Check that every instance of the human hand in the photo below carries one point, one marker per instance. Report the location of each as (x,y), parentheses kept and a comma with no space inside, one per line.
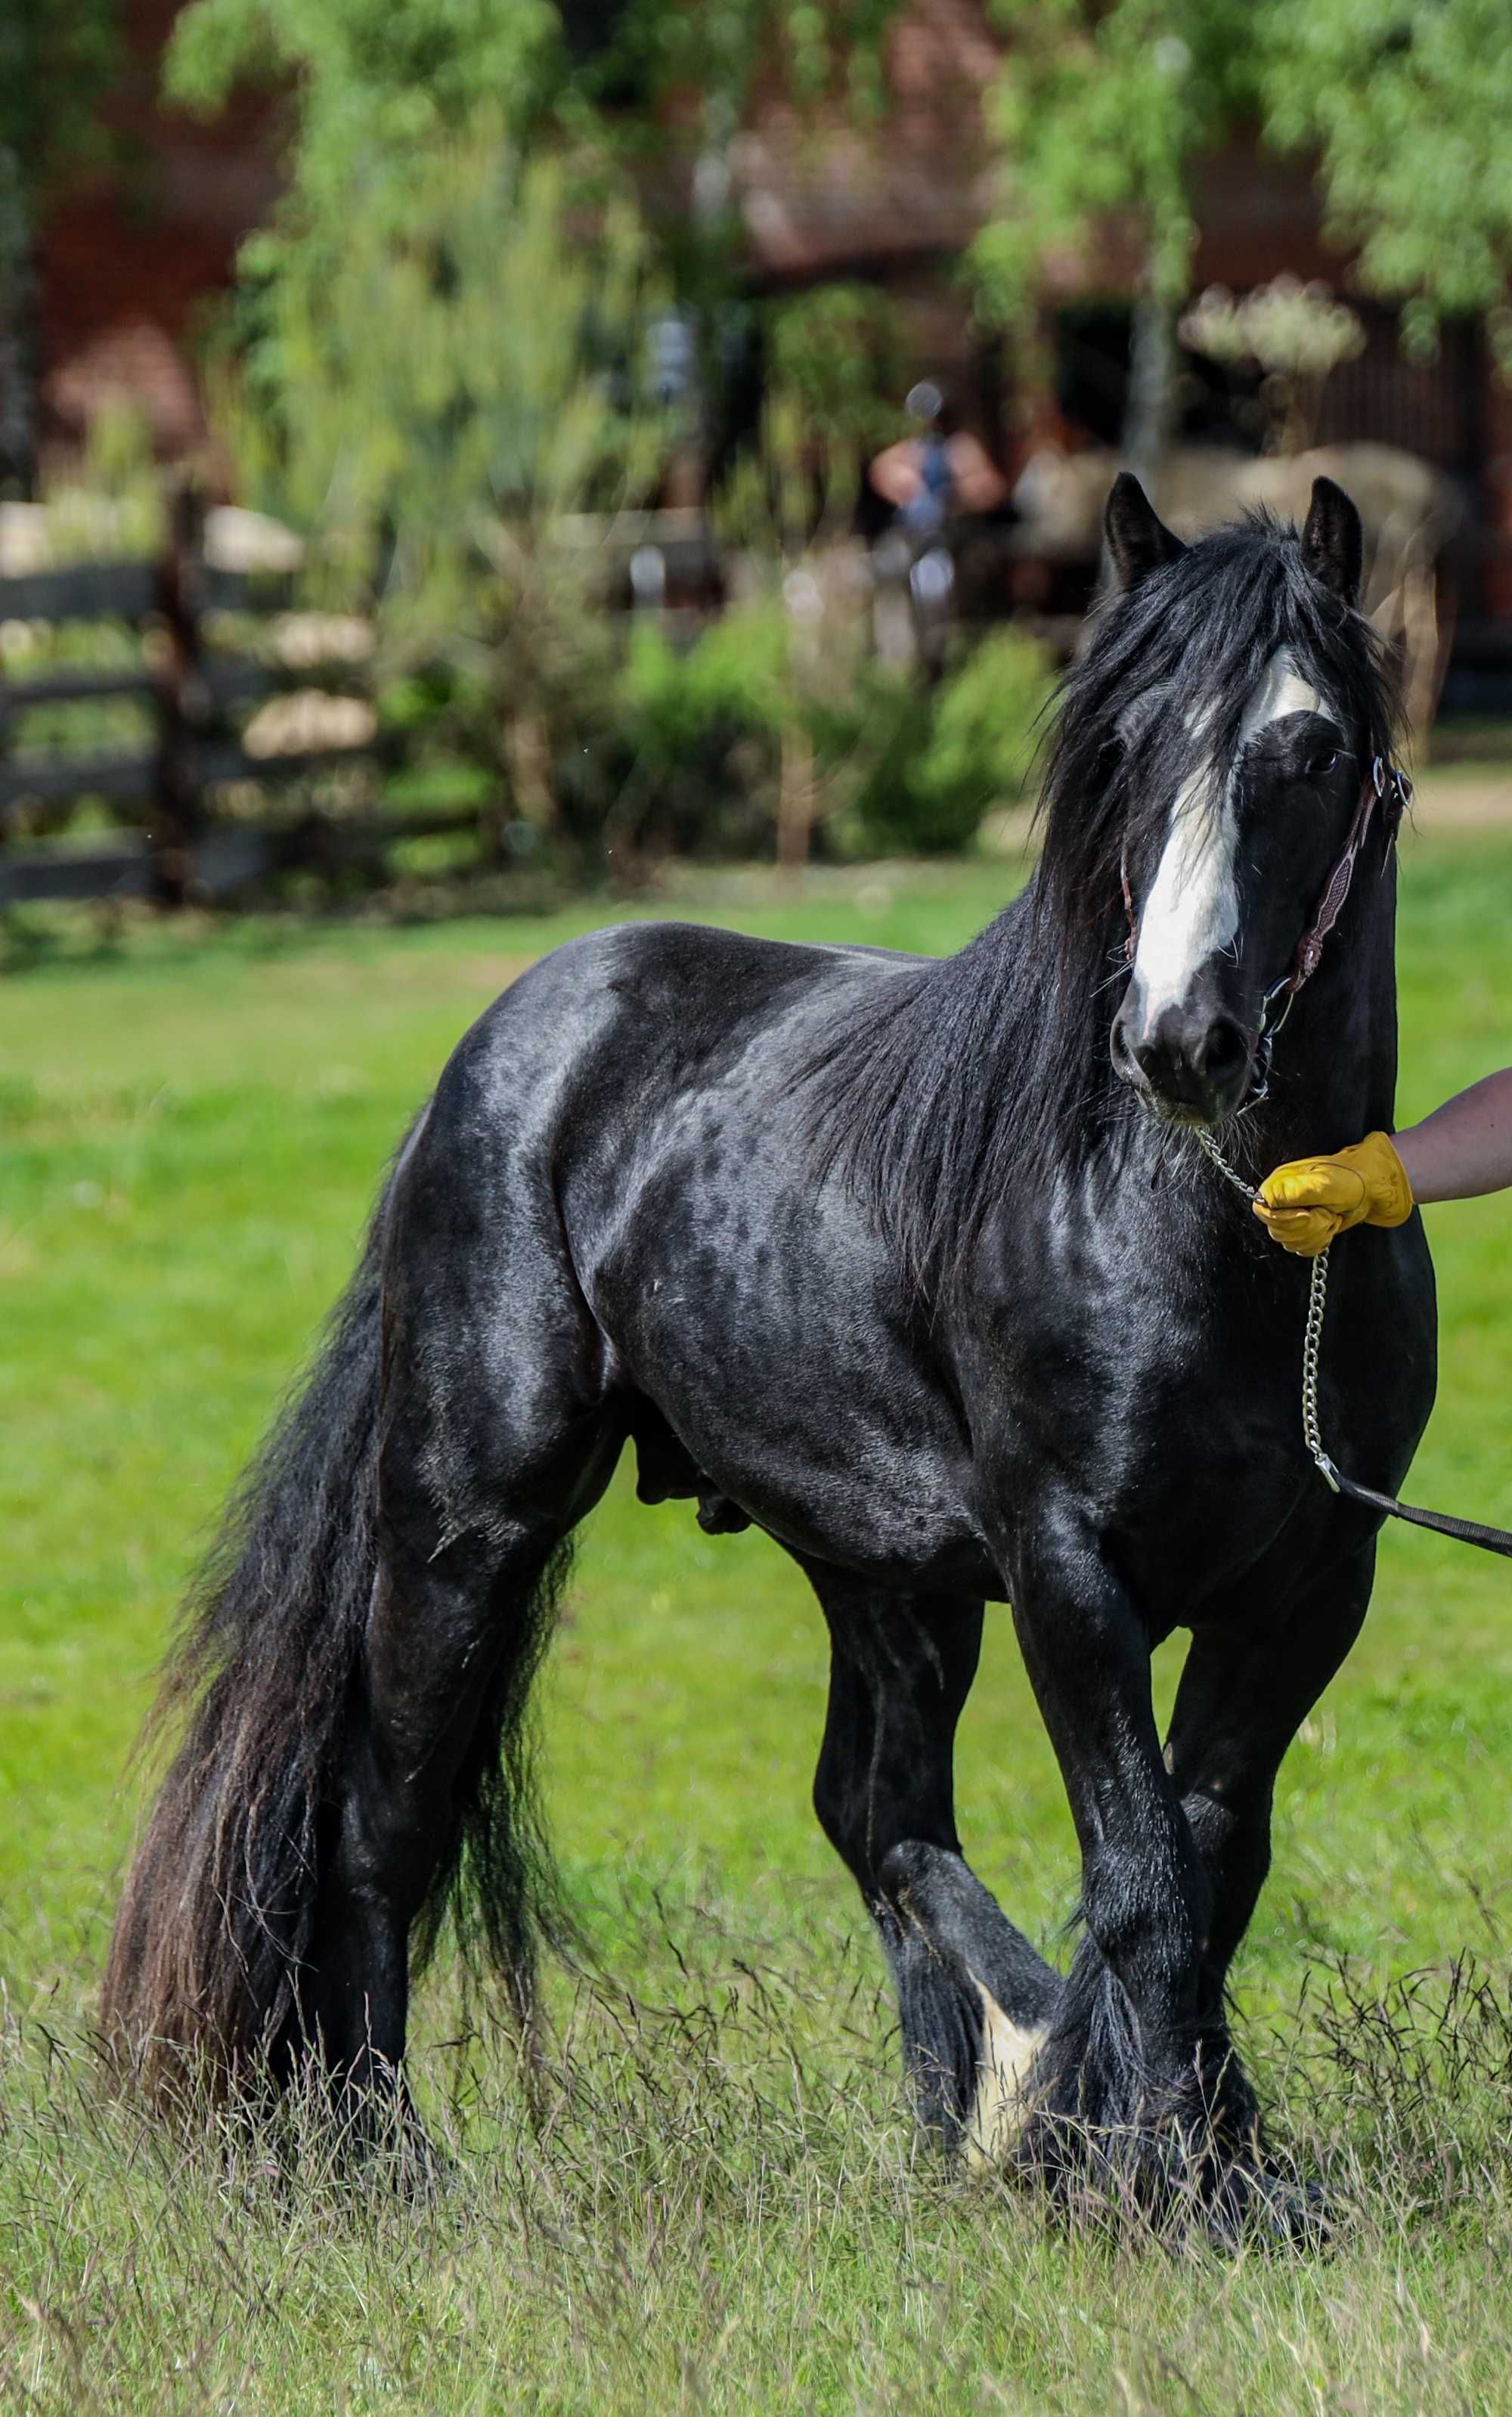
(1305,1203)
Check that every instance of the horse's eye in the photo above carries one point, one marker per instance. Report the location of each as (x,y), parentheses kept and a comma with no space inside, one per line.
(1320,764)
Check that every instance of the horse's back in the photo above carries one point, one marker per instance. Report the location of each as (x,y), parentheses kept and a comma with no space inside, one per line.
(700,980)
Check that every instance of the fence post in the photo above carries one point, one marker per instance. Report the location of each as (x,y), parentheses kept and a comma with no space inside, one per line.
(178,804)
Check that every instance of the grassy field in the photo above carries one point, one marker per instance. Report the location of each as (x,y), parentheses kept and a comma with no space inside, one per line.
(721,2206)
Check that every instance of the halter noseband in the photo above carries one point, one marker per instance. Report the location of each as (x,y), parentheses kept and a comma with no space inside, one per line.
(1394,791)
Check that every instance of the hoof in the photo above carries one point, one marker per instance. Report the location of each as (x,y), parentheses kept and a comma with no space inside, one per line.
(1255,2207)
(1184,2183)
(399,2159)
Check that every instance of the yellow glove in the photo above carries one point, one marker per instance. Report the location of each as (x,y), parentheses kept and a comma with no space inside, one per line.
(1310,1200)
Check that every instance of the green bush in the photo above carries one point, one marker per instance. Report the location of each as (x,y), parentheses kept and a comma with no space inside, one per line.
(733,679)
(938,761)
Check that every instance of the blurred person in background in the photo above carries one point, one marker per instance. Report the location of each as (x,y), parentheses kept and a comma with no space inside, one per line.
(928,480)
(1462,1150)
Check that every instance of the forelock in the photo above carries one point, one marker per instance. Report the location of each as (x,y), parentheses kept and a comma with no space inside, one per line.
(1171,671)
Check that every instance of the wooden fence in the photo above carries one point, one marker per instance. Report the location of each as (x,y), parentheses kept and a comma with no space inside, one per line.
(174,844)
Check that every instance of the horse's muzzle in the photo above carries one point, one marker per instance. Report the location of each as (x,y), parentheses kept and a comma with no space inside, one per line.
(1187,1062)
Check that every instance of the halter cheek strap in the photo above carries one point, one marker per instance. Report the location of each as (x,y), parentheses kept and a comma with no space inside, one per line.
(1394,790)
(1382,783)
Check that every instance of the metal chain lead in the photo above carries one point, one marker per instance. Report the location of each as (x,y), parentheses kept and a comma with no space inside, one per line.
(1312,1336)
(1206,1141)
(1311,1344)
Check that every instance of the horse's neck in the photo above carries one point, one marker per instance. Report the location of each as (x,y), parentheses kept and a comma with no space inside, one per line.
(1335,1060)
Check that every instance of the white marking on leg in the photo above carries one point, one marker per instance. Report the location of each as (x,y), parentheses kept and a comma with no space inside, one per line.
(1192,911)
(1000,2110)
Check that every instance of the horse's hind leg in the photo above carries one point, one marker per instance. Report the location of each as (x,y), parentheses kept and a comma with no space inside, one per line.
(451,1648)
(495,1442)
(974,1998)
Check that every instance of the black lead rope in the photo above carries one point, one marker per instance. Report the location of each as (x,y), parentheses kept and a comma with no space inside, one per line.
(1444,1523)
(1465,1531)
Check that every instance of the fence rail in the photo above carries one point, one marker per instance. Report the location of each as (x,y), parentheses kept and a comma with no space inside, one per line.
(183,849)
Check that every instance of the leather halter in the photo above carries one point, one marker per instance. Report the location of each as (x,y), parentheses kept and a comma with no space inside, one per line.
(1395,792)
(1384,785)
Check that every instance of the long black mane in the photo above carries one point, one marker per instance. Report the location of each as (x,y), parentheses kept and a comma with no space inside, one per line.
(993,1063)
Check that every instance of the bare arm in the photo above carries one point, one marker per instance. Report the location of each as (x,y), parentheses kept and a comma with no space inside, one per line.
(1464,1147)
(895,474)
(979,484)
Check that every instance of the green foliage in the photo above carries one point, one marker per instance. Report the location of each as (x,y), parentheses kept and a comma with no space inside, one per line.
(437,402)
(987,716)
(733,678)
(842,351)
(1406,107)
(812,51)
(836,360)
(376,77)
(56,57)
(473,364)
(376,83)
(1103,108)
(912,769)
(940,761)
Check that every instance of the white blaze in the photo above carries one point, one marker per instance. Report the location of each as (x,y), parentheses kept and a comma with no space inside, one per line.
(1192,911)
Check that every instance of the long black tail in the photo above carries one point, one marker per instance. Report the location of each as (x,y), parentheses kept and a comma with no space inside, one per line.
(218,1912)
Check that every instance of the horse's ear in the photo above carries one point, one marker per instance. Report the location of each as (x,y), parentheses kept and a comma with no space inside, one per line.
(1137,539)
(1333,541)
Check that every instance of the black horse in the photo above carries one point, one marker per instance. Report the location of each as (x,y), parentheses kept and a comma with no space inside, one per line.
(913,1264)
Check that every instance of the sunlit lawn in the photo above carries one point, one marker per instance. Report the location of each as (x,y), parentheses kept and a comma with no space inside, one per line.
(193,1124)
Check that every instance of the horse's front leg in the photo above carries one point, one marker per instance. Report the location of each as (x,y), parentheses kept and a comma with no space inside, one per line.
(1138,2078)
(974,1998)
(1247,1685)
(1246,1688)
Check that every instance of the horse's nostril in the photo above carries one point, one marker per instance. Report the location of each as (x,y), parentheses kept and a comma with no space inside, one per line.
(1223,1050)
(1130,1058)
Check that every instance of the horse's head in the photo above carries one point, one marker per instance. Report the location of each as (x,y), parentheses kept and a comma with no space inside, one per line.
(1242,706)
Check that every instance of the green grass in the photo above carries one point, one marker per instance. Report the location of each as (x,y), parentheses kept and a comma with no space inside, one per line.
(723,2207)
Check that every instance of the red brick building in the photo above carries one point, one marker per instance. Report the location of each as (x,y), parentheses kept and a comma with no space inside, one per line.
(128,260)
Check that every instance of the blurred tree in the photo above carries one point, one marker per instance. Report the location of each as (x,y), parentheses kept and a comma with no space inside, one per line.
(834,362)
(932,763)
(55,58)
(435,402)
(415,370)
(373,79)
(842,353)
(1102,108)
(1407,107)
